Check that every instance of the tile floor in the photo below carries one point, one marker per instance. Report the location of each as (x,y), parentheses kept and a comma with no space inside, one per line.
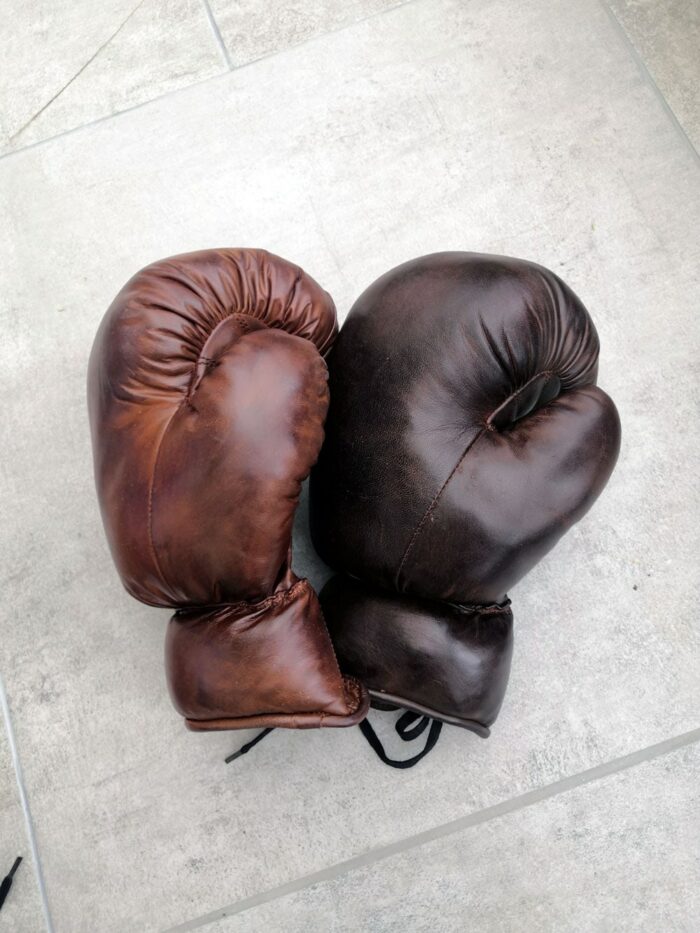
(350,137)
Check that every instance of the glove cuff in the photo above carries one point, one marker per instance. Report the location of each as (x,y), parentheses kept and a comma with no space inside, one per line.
(266,664)
(446,661)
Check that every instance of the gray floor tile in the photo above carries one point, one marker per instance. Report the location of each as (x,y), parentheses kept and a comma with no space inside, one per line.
(22,911)
(252,29)
(621,854)
(667,37)
(504,127)
(67,63)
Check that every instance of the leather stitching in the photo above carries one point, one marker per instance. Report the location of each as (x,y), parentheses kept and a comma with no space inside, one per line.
(259,606)
(514,395)
(487,426)
(431,508)
(151,484)
(209,363)
(343,679)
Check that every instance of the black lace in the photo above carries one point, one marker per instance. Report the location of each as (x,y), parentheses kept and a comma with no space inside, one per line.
(409,726)
(244,749)
(6,883)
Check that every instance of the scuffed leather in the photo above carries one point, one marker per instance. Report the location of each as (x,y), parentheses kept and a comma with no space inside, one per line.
(285,637)
(465,434)
(207,392)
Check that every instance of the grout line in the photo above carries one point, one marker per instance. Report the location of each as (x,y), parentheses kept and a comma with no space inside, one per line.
(181,90)
(617,25)
(445,829)
(108,116)
(328,32)
(77,74)
(25,805)
(648,77)
(217,35)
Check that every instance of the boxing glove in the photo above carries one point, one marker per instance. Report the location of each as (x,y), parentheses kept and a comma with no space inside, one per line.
(207,393)
(465,435)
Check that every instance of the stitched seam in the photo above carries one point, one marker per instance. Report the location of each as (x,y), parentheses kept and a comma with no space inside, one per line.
(486,609)
(208,362)
(151,484)
(258,606)
(513,395)
(302,717)
(487,426)
(335,658)
(351,688)
(433,505)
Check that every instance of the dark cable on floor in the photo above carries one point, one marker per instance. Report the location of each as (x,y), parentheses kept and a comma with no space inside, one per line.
(244,749)
(7,881)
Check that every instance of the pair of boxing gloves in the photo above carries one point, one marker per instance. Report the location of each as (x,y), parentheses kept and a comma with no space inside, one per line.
(465,435)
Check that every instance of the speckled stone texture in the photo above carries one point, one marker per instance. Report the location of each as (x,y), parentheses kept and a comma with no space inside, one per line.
(70,62)
(667,37)
(594,859)
(22,911)
(525,129)
(252,30)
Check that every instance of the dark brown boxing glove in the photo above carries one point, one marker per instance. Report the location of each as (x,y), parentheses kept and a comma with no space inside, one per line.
(207,392)
(465,435)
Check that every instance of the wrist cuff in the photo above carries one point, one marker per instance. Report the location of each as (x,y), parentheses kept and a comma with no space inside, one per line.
(251,665)
(442,660)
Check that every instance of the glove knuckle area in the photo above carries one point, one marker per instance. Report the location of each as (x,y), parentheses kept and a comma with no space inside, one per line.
(514,495)
(169,317)
(480,326)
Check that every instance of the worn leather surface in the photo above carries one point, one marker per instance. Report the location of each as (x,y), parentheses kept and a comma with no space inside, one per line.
(465,435)
(284,637)
(401,646)
(207,392)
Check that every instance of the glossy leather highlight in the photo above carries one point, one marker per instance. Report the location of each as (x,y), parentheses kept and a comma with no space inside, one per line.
(446,661)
